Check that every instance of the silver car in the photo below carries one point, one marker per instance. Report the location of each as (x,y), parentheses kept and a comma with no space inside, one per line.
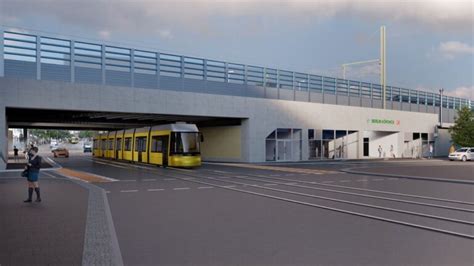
(462,154)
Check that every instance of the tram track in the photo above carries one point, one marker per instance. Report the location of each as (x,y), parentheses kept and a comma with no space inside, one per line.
(340,210)
(359,189)
(270,193)
(294,184)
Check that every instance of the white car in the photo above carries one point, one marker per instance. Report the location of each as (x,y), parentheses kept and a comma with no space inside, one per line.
(463,154)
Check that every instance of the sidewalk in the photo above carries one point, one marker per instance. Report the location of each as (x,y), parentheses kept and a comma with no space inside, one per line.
(46,233)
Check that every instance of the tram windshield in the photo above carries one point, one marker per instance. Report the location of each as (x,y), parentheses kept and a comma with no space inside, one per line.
(185,143)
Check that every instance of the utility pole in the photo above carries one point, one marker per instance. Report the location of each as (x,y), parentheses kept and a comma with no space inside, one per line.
(383,70)
(382,61)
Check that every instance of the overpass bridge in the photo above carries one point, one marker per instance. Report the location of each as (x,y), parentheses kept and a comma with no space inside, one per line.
(247,113)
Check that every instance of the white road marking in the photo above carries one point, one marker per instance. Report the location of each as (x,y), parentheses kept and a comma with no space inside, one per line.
(293,183)
(270,184)
(155,189)
(150,179)
(169,179)
(128,180)
(393,178)
(181,188)
(129,191)
(230,186)
(107,191)
(223,172)
(325,182)
(344,181)
(189,178)
(204,187)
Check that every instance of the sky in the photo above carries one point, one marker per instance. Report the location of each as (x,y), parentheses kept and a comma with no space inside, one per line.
(430,44)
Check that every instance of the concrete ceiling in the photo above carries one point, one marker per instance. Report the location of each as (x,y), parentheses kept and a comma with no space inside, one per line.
(90,120)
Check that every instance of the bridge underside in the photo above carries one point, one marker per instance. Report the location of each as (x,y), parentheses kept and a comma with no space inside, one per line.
(81,120)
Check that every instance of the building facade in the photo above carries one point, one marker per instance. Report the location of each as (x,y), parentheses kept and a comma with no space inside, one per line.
(284,115)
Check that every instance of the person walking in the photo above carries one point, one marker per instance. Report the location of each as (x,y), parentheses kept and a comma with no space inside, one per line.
(392,153)
(15,153)
(33,166)
(380,151)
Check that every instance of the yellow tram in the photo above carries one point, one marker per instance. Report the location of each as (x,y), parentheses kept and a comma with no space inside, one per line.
(176,145)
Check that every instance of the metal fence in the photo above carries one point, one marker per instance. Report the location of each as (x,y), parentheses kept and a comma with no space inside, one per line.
(34,56)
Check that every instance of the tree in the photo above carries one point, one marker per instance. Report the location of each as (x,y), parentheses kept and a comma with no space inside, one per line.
(50,134)
(462,132)
(86,134)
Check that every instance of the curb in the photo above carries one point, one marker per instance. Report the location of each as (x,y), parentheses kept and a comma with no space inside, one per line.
(458,181)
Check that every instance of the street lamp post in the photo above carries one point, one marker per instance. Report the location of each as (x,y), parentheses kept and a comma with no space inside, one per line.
(441,107)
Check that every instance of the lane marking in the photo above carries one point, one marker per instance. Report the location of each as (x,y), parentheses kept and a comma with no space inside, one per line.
(155,189)
(129,191)
(149,179)
(222,172)
(344,181)
(127,180)
(204,187)
(230,186)
(181,188)
(270,184)
(170,179)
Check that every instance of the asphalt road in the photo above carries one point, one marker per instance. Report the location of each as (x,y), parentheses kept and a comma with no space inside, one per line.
(289,214)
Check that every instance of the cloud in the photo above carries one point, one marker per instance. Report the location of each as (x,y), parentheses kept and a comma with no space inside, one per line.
(462,92)
(200,16)
(452,49)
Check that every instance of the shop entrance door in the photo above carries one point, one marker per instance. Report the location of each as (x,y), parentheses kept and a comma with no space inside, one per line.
(284,150)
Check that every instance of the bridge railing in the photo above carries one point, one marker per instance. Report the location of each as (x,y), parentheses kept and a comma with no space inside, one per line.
(45,57)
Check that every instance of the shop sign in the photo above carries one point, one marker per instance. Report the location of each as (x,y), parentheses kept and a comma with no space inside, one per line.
(378,121)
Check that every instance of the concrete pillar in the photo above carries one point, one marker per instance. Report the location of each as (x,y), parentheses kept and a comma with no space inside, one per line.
(3,138)
(245,141)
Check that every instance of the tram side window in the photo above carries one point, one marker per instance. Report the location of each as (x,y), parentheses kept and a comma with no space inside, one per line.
(103,145)
(156,144)
(95,144)
(140,144)
(128,146)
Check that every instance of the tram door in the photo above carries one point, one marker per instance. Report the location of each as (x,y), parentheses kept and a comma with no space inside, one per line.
(141,147)
(118,148)
(165,150)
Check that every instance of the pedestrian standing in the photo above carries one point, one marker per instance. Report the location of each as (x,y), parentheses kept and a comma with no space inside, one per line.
(431,151)
(380,151)
(15,153)
(33,166)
